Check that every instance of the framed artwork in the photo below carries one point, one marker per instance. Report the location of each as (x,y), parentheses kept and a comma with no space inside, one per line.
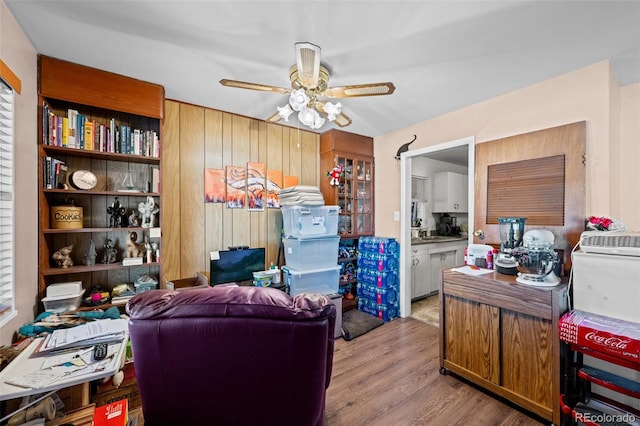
(256,190)
(214,186)
(274,185)
(236,187)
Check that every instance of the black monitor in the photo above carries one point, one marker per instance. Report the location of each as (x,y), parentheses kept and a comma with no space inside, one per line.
(236,265)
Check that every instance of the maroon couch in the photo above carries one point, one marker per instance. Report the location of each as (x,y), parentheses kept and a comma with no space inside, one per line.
(232,356)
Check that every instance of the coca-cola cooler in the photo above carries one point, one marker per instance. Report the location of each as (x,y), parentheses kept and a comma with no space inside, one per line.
(608,285)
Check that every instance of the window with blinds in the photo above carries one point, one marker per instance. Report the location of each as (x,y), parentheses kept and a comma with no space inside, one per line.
(7,285)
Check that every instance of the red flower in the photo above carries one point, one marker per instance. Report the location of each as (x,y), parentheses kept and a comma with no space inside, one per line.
(600,223)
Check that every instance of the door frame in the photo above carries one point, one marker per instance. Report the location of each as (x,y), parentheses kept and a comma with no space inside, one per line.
(405,209)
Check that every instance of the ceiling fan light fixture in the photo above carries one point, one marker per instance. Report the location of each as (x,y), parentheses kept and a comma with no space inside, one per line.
(310,118)
(284,112)
(298,99)
(332,110)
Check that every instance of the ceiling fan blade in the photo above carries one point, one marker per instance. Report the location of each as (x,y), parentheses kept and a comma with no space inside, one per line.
(342,120)
(308,62)
(254,86)
(353,91)
(274,118)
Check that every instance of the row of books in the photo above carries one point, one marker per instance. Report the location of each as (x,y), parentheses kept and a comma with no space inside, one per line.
(54,173)
(79,131)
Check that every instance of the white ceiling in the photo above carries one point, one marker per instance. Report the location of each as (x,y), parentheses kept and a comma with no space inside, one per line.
(441,55)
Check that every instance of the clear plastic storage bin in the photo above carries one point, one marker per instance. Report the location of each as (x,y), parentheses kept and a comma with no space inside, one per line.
(64,303)
(323,281)
(310,221)
(311,253)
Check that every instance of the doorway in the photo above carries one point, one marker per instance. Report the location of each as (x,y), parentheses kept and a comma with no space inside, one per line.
(448,152)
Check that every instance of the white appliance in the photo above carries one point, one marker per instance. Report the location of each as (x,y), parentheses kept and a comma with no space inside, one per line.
(622,243)
(608,284)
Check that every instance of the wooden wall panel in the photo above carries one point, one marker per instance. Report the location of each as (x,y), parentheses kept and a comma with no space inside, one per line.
(568,140)
(195,138)
(310,173)
(275,145)
(241,148)
(191,190)
(258,154)
(213,156)
(170,187)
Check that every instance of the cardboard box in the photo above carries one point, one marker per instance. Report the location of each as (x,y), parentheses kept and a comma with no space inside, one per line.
(199,281)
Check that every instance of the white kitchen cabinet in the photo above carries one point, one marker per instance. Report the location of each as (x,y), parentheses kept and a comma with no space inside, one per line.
(420,279)
(443,256)
(450,192)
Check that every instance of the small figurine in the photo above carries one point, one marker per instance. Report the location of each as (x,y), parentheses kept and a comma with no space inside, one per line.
(63,257)
(133,250)
(116,212)
(335,174)
(90,255)
(134,218)
(109,255)
(148,249)
(149,211)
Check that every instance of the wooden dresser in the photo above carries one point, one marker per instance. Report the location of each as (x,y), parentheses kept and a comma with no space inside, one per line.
(503,336)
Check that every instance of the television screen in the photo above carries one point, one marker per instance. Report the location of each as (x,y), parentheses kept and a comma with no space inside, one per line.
(236,265)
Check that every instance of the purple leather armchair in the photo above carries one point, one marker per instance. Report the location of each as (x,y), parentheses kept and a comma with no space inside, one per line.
(232,356)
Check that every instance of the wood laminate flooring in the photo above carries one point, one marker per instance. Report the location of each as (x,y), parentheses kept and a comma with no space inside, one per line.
(390,377)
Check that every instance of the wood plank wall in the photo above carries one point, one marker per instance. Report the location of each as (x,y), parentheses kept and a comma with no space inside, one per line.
(195,138)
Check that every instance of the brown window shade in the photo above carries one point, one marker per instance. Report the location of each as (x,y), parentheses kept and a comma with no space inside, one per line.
(531,188)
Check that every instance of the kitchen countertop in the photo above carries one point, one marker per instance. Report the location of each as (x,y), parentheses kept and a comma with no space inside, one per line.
(435,239)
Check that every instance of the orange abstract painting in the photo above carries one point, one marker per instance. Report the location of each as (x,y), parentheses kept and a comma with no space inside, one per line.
(236,187)
(214,186)
(274,185)
(256,181)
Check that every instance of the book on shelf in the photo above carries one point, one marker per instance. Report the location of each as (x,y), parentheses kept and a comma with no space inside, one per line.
(46,173)
(128,261)
(54,173)
(72,116)
(65,132)
(155,179)
(76,130)
(88,135)
(59,174)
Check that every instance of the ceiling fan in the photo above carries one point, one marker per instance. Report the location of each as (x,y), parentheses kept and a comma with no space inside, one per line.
(309,94)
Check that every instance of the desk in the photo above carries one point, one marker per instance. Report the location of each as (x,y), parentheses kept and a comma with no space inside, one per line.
(27,362)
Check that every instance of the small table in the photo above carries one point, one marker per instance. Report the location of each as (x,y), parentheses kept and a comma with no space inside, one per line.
(28,361)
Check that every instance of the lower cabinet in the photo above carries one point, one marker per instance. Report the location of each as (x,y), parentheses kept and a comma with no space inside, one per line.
(420,272)
(503,336)
(444,256)
(427,263)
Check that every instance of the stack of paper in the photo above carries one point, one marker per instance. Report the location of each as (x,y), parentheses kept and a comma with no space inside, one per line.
(301,195)
(89,334)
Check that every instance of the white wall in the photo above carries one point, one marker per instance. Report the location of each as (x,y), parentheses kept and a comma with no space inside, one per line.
(588,94)
(19,55)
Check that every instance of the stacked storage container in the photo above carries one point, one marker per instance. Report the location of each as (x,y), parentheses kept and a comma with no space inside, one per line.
(311,248)
(378,283)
